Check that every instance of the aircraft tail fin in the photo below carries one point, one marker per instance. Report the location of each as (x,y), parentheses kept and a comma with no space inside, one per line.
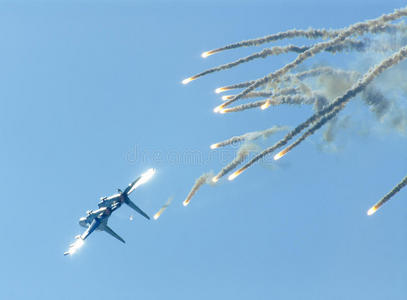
(136,208)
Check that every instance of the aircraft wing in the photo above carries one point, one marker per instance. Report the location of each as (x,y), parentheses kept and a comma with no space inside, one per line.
(135,207)
(110,231)
(131,187)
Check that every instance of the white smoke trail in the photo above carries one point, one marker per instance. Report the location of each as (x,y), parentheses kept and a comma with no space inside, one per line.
(241,155)
(250,136)
(246,106)
(301,75)
(204,178)
(276,100)
(278,92)
(235,86)
(293,33)
(325,70)
(163,208)
(388,196)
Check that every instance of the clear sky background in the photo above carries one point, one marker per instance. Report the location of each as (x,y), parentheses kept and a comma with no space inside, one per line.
(91,97)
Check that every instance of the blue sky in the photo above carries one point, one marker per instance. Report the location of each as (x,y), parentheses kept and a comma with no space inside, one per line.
(87,87)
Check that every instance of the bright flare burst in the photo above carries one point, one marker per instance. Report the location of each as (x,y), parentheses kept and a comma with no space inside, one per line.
(144,178)
(265,105)
(188,80)
(214,146)
(218,108)
(372,210)
(147,176)
(280,154)
(75,246)
(235,174)
(207,53)
(221,89)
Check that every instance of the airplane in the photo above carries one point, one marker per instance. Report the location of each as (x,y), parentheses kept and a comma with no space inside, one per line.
(97,220)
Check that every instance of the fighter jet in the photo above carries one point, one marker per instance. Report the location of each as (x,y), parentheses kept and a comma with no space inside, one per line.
(97,220)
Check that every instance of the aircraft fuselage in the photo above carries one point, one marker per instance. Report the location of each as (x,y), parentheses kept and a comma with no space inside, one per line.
(99,214)
(108,201)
